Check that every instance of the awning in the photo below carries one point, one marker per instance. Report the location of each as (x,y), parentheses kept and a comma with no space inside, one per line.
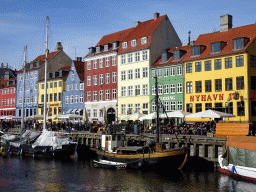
(74,111)
(78,111)
(69,111)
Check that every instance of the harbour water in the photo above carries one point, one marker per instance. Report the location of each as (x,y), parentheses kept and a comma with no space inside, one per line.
(31,174)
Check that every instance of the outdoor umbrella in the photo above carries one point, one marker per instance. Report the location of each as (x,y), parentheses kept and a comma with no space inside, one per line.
(210,114)
(149,116)
(15,117)
(134,116)
(175,114)
(35,117)
(105,117)
(85,116)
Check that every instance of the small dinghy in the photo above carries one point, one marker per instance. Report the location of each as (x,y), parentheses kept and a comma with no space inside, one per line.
(109,164)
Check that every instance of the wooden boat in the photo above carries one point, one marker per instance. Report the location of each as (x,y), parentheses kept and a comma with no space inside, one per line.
(239,158)
(109,164)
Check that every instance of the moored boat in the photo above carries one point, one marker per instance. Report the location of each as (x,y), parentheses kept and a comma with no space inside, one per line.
(109,164)
(239,159)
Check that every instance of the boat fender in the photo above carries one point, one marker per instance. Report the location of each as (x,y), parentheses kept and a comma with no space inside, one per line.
(233,169)
(140,163)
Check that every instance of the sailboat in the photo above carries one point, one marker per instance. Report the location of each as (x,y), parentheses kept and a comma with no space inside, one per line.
(152,154)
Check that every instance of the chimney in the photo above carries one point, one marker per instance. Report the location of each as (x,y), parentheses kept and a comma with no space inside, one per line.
(156,15)
(7,75)
(225,22)
(2,65)
(137,23)
(5,65)
(79,59)
(189,37)
(58,47)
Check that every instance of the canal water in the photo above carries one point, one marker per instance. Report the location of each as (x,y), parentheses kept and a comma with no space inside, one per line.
(31,174)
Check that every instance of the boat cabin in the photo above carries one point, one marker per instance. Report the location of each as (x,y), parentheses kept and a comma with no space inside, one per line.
(132,150)
(111,142)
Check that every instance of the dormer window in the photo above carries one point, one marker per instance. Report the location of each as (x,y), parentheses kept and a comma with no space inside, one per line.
(195,50)
(124,45)
(98,49)
(106,47)
(238,43)
(164,57)
(114,45)
(144,40)
(176,54)
(134,43)
(31,65)
(215,47)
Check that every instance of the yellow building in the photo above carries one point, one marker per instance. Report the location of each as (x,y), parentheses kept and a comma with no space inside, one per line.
(220,72)
(140,49)
(55,87)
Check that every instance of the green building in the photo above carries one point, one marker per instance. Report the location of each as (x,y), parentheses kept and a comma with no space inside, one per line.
(170,77)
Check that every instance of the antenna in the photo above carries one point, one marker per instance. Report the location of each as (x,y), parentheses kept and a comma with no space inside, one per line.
(75,50)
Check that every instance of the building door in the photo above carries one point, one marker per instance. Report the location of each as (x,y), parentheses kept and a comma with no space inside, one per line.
(111,115)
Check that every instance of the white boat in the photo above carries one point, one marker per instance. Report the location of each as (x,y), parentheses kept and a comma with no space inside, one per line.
(240,158)
(109,164)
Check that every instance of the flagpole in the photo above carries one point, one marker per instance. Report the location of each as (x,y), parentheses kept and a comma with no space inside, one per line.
(23,97)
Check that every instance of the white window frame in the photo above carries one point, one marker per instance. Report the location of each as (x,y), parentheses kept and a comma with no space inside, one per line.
(137,90)
(166,89)
(123,75)
(137,107)
(107,94)
(107,61)
(123,109)
(137,56)
(144,40)
(145,89)
(113,93)
(81,86)
(166,106)
(72,77)
(124,45)
(114,61)
(144,55)
(114,45)
(130,58)
(101,63)
(144,72)
(160,89)
(101,95)
(153,90)
(134,43)
(71,99)
(137,73)
(179,87)
(88,80)
(173,105)
(89,96)
(123,59)
(166,72)
(76,99)
(113,77)
(130,90)
(172,88)
(81,99)
(89,64)
(95,64)
(130,74)
(179,70)
(179,105)
(159,73)
(107,78)
(95,95)
(101,79)
(95,80)
(123,91)
(172,71)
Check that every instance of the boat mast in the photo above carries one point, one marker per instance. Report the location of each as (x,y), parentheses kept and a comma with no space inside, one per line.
(23,97)
(45,73)
(158,131)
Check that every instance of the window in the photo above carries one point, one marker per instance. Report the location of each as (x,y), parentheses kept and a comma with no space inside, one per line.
(101,95)
(137,90)
(195,51)
(176,55)
(89,96)
(101,79)
(89,65)
(208,106)
(107,78)
(81,86)
(42,98)
(179,87)
(113,60)
(239,83)
(166,89)
(189,68)
(179,70)
(253,108)
(144,40)
(60,83)
(189,87)
(189,107)
(94,95)
(134,43)
(144,72)
(71,87)
(107,62)
(130,90)
(217,63)
(160,89)
(123,109)
(55,84)
(207,66)
(179,105)
(208,85)
(198,107)
(253,61)
(94,112)
(113,77)
(35,74)
(27,89)
(137,107)
(137,73)
(55,96)
(198,67)
(173,106)
(164,57)
(166,106)
(123,91)
(8,91)
(253,82)
(130,109)
(106,47)
(98,49)
(198,86)
(153,106)
(228,84)
(11,101)
(89,112)
(76,99)
(172,89)
(144,89)
(114,45)
(130,74)
(238,43)
(218,84)
(88,80)
(228,62)
(153,90)
(60,97)
(124,45)
(137,56)
(240,109)
(94,79)
(113,93)
(123,75)
(166,72)
(215,47)
(95,64)
(71,99)
(107,94)
(50,97)
(160,73)
(145,55)
(153,73)
(240,61)
(123,59)
(8,102)
(145,108)
(100,63)
(172,71)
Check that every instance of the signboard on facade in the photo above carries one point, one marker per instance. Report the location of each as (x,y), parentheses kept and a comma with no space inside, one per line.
(168,98)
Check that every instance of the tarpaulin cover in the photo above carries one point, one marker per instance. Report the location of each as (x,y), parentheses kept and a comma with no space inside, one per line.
(27,135)
(49,138)
(9,137)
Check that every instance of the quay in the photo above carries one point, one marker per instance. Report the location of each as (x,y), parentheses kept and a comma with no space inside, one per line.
(203,146)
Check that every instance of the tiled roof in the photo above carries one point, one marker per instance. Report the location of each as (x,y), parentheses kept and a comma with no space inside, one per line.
(66,68)
(42,57)
(171,60)
(21,70)
(248,31)
(79,69)
(3,82)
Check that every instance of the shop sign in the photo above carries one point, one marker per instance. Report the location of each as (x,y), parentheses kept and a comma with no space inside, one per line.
(253,95)
(168,98)
(54,105)
(208,97)
(40,105)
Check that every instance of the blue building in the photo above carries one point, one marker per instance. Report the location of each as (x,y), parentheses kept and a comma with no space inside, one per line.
(73,95)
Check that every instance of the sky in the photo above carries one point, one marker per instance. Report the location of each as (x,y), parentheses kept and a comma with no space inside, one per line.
(80,24)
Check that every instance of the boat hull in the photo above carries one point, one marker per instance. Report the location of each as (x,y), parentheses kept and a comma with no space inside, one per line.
(164,159)
(109,164)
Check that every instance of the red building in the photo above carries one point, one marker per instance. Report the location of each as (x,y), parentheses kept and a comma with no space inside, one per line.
(101,78)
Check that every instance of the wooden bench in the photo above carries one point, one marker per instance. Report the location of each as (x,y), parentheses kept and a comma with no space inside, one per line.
(231,129)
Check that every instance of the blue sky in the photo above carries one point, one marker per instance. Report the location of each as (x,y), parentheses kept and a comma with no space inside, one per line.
(80,24)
